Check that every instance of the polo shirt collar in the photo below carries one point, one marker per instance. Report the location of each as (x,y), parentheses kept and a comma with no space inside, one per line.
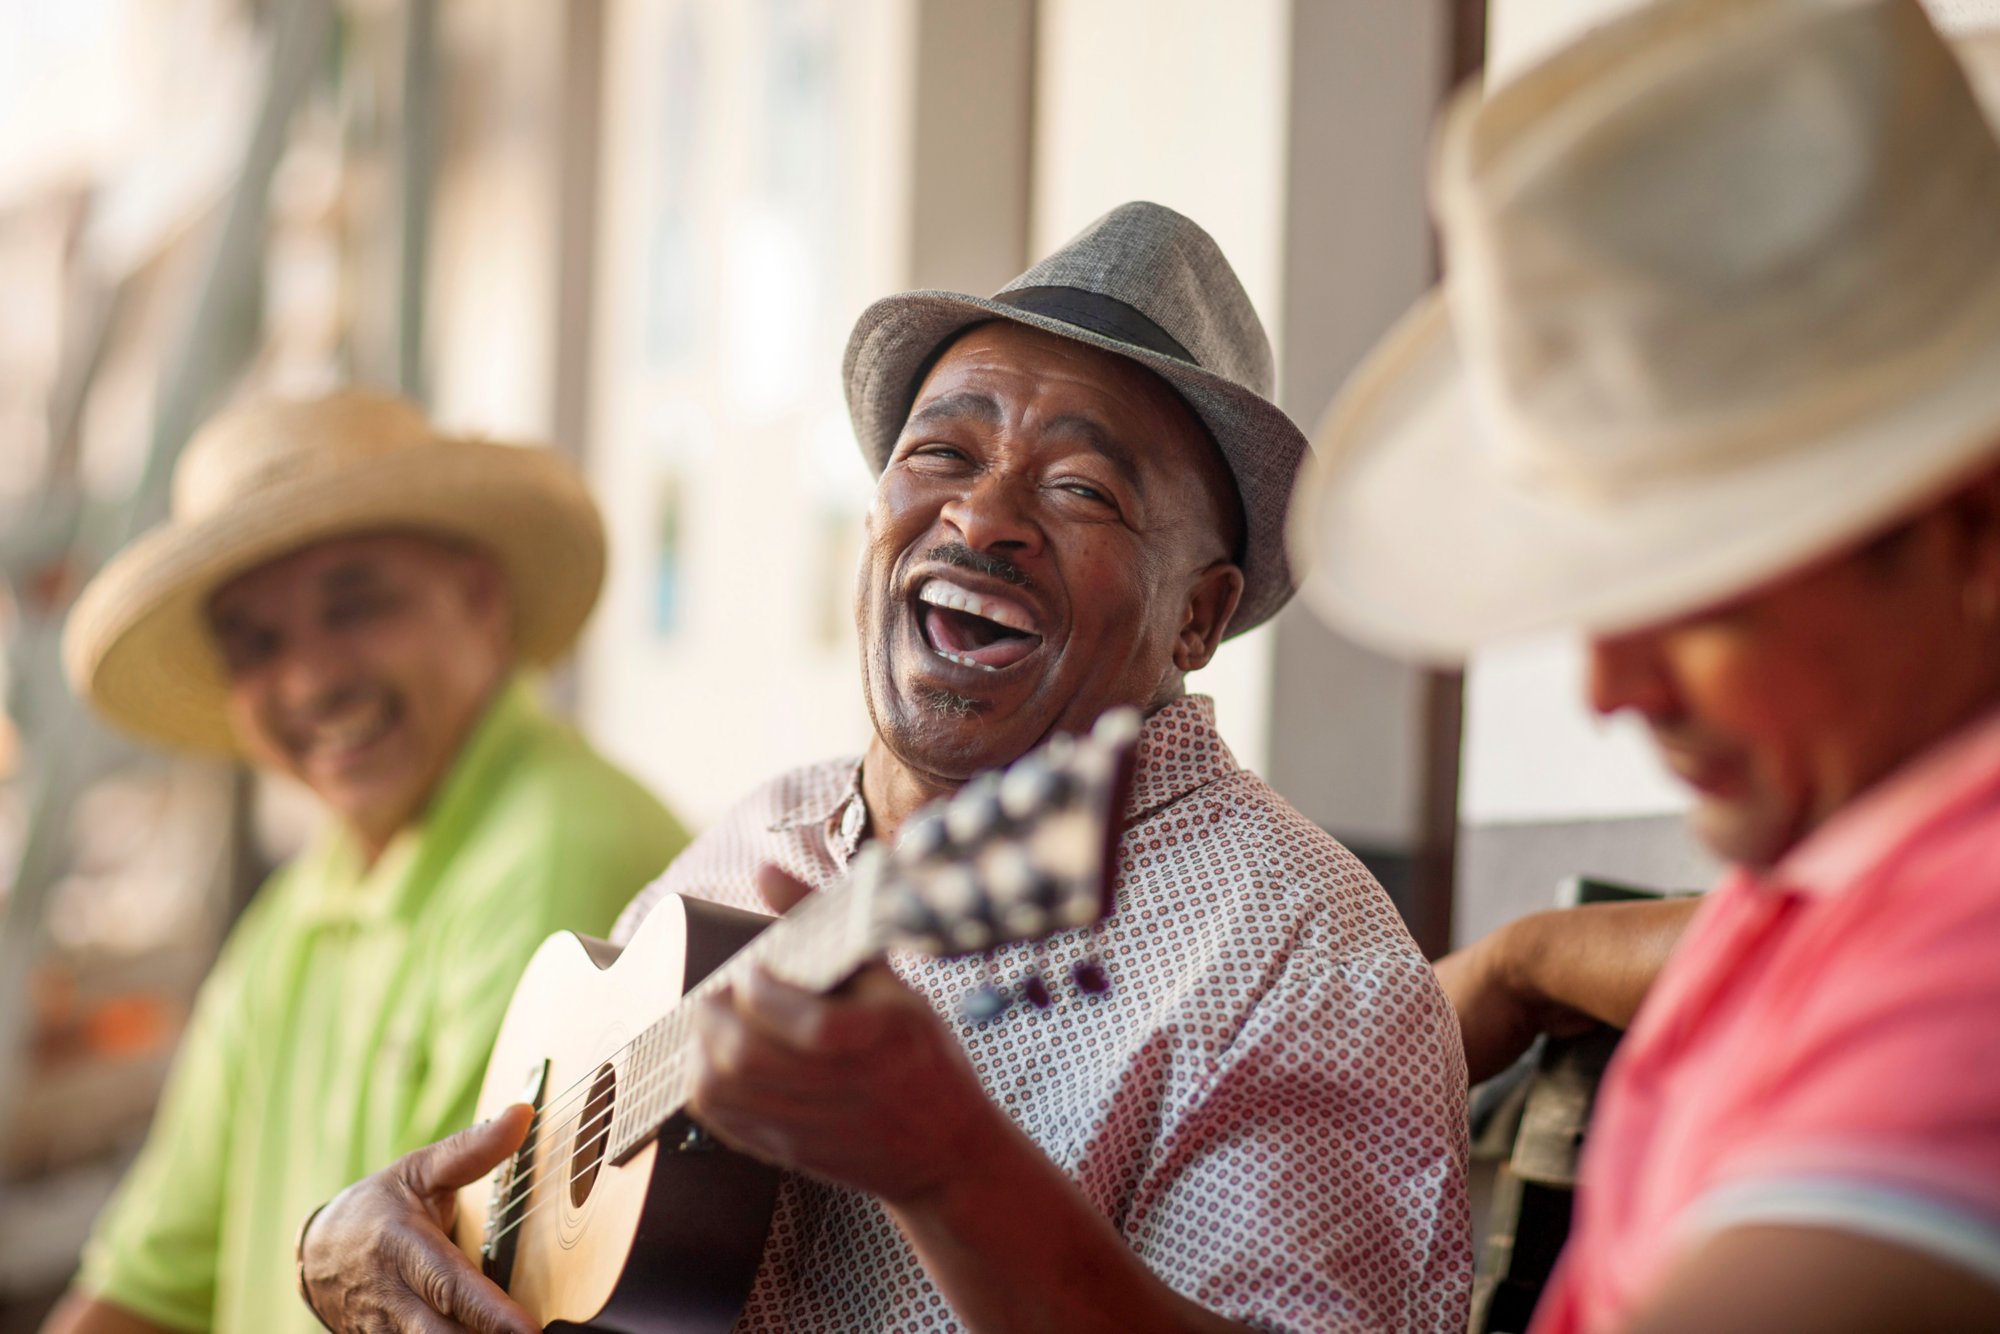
(338,887)
(1953,775)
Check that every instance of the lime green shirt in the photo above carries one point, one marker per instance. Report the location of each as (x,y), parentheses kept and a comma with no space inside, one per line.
(349,1018)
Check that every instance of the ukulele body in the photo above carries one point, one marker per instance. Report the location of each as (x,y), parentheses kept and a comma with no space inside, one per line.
(666,1242)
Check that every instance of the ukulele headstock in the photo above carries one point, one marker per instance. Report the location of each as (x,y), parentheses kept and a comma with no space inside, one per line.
(1017,854)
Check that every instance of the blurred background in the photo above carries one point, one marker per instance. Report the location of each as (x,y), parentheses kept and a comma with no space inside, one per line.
(640,230)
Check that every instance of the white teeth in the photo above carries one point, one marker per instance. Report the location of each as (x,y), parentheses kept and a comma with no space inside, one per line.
(963,661)
(944,593)
(348,734)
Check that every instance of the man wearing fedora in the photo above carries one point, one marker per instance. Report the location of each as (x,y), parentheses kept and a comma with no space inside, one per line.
(346,597)
(1240,1103)
(1715,379)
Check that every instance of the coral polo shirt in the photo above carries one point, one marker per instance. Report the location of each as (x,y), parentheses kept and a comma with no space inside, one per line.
(1823,1051)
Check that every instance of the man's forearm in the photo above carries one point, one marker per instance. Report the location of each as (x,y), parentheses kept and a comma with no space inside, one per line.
(1599,960)
(1014,1246)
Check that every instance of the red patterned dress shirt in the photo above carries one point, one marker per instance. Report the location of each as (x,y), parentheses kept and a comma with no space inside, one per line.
(1268,1103)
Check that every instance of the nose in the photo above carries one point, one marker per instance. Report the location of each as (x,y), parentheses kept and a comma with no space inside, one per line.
(1630,672)
(995,513)
(312,671)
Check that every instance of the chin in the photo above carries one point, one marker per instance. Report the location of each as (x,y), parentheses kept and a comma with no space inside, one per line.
(1743,837)
(951,731)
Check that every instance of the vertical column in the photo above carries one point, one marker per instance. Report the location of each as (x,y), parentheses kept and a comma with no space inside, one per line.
(971,143)
(1365,746)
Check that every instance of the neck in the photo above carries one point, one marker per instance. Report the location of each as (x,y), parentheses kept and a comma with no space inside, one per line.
(894,791)
(371,843)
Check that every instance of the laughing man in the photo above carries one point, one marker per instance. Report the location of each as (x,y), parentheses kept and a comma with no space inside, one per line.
(1262,1122)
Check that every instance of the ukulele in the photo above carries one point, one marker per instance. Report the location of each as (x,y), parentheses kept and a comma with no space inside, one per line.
(618,1213)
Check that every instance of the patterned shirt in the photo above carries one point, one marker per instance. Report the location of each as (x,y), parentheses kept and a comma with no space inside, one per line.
(1821,1052)
(1269,1103)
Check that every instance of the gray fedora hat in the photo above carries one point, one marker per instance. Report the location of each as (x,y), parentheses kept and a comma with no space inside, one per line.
(1148,284)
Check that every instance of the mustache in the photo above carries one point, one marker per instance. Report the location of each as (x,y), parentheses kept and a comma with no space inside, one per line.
(334,699)
(980,562)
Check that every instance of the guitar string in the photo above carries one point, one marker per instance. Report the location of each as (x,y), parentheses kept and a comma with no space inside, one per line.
(582,1087)
(669,1032)
(672,1065)
(668,1068)
(603,1156)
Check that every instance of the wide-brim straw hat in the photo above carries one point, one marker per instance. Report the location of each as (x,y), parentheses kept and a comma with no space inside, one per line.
(1143,282)
(1722,298)
(273,477)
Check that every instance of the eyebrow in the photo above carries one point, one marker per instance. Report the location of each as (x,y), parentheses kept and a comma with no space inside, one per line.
(349,575)
(985,409)
(1102,442)
(964,403)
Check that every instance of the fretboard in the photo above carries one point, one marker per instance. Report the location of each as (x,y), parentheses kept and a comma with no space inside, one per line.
(817,945)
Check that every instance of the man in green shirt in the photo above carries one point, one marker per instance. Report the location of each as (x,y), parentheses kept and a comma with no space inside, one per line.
(346,597)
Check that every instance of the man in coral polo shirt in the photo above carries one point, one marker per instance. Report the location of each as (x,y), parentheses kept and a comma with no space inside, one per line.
(1726,278)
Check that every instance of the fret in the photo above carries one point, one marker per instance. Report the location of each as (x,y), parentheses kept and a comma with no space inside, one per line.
(1013,858)
(816,947)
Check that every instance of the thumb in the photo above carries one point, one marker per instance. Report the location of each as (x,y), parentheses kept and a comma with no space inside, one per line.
(469,1155)
(781,890)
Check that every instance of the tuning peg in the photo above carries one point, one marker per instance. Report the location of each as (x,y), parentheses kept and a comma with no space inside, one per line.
(1116,728)
(922,839)
(974,812)
(1024,921)
(1090,976)
(969,935)
(1030,787)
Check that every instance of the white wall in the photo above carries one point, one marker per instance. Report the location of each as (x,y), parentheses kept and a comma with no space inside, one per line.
(747,220)
(1183,102)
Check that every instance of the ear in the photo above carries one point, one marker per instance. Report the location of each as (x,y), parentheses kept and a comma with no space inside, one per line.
(1211,602)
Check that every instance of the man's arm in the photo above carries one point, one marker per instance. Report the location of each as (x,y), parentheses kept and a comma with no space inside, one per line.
(1558,972)
(1805,1280)
(80,1313)
(868,1090)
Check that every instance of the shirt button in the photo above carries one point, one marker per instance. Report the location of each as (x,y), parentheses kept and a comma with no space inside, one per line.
(852,819)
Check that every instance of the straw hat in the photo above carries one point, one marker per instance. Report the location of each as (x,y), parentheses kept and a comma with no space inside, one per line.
(267,479)
(1148,284)
(1723,296)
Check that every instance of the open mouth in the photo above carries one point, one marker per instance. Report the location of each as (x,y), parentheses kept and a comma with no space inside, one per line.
(974,629)
(339,739)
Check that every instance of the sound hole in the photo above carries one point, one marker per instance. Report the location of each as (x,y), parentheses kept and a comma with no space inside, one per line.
(592,1136)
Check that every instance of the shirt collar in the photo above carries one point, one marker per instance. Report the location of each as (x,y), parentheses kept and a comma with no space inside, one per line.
(1953,775)
(1179,750)
(339,887)
(834,806)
